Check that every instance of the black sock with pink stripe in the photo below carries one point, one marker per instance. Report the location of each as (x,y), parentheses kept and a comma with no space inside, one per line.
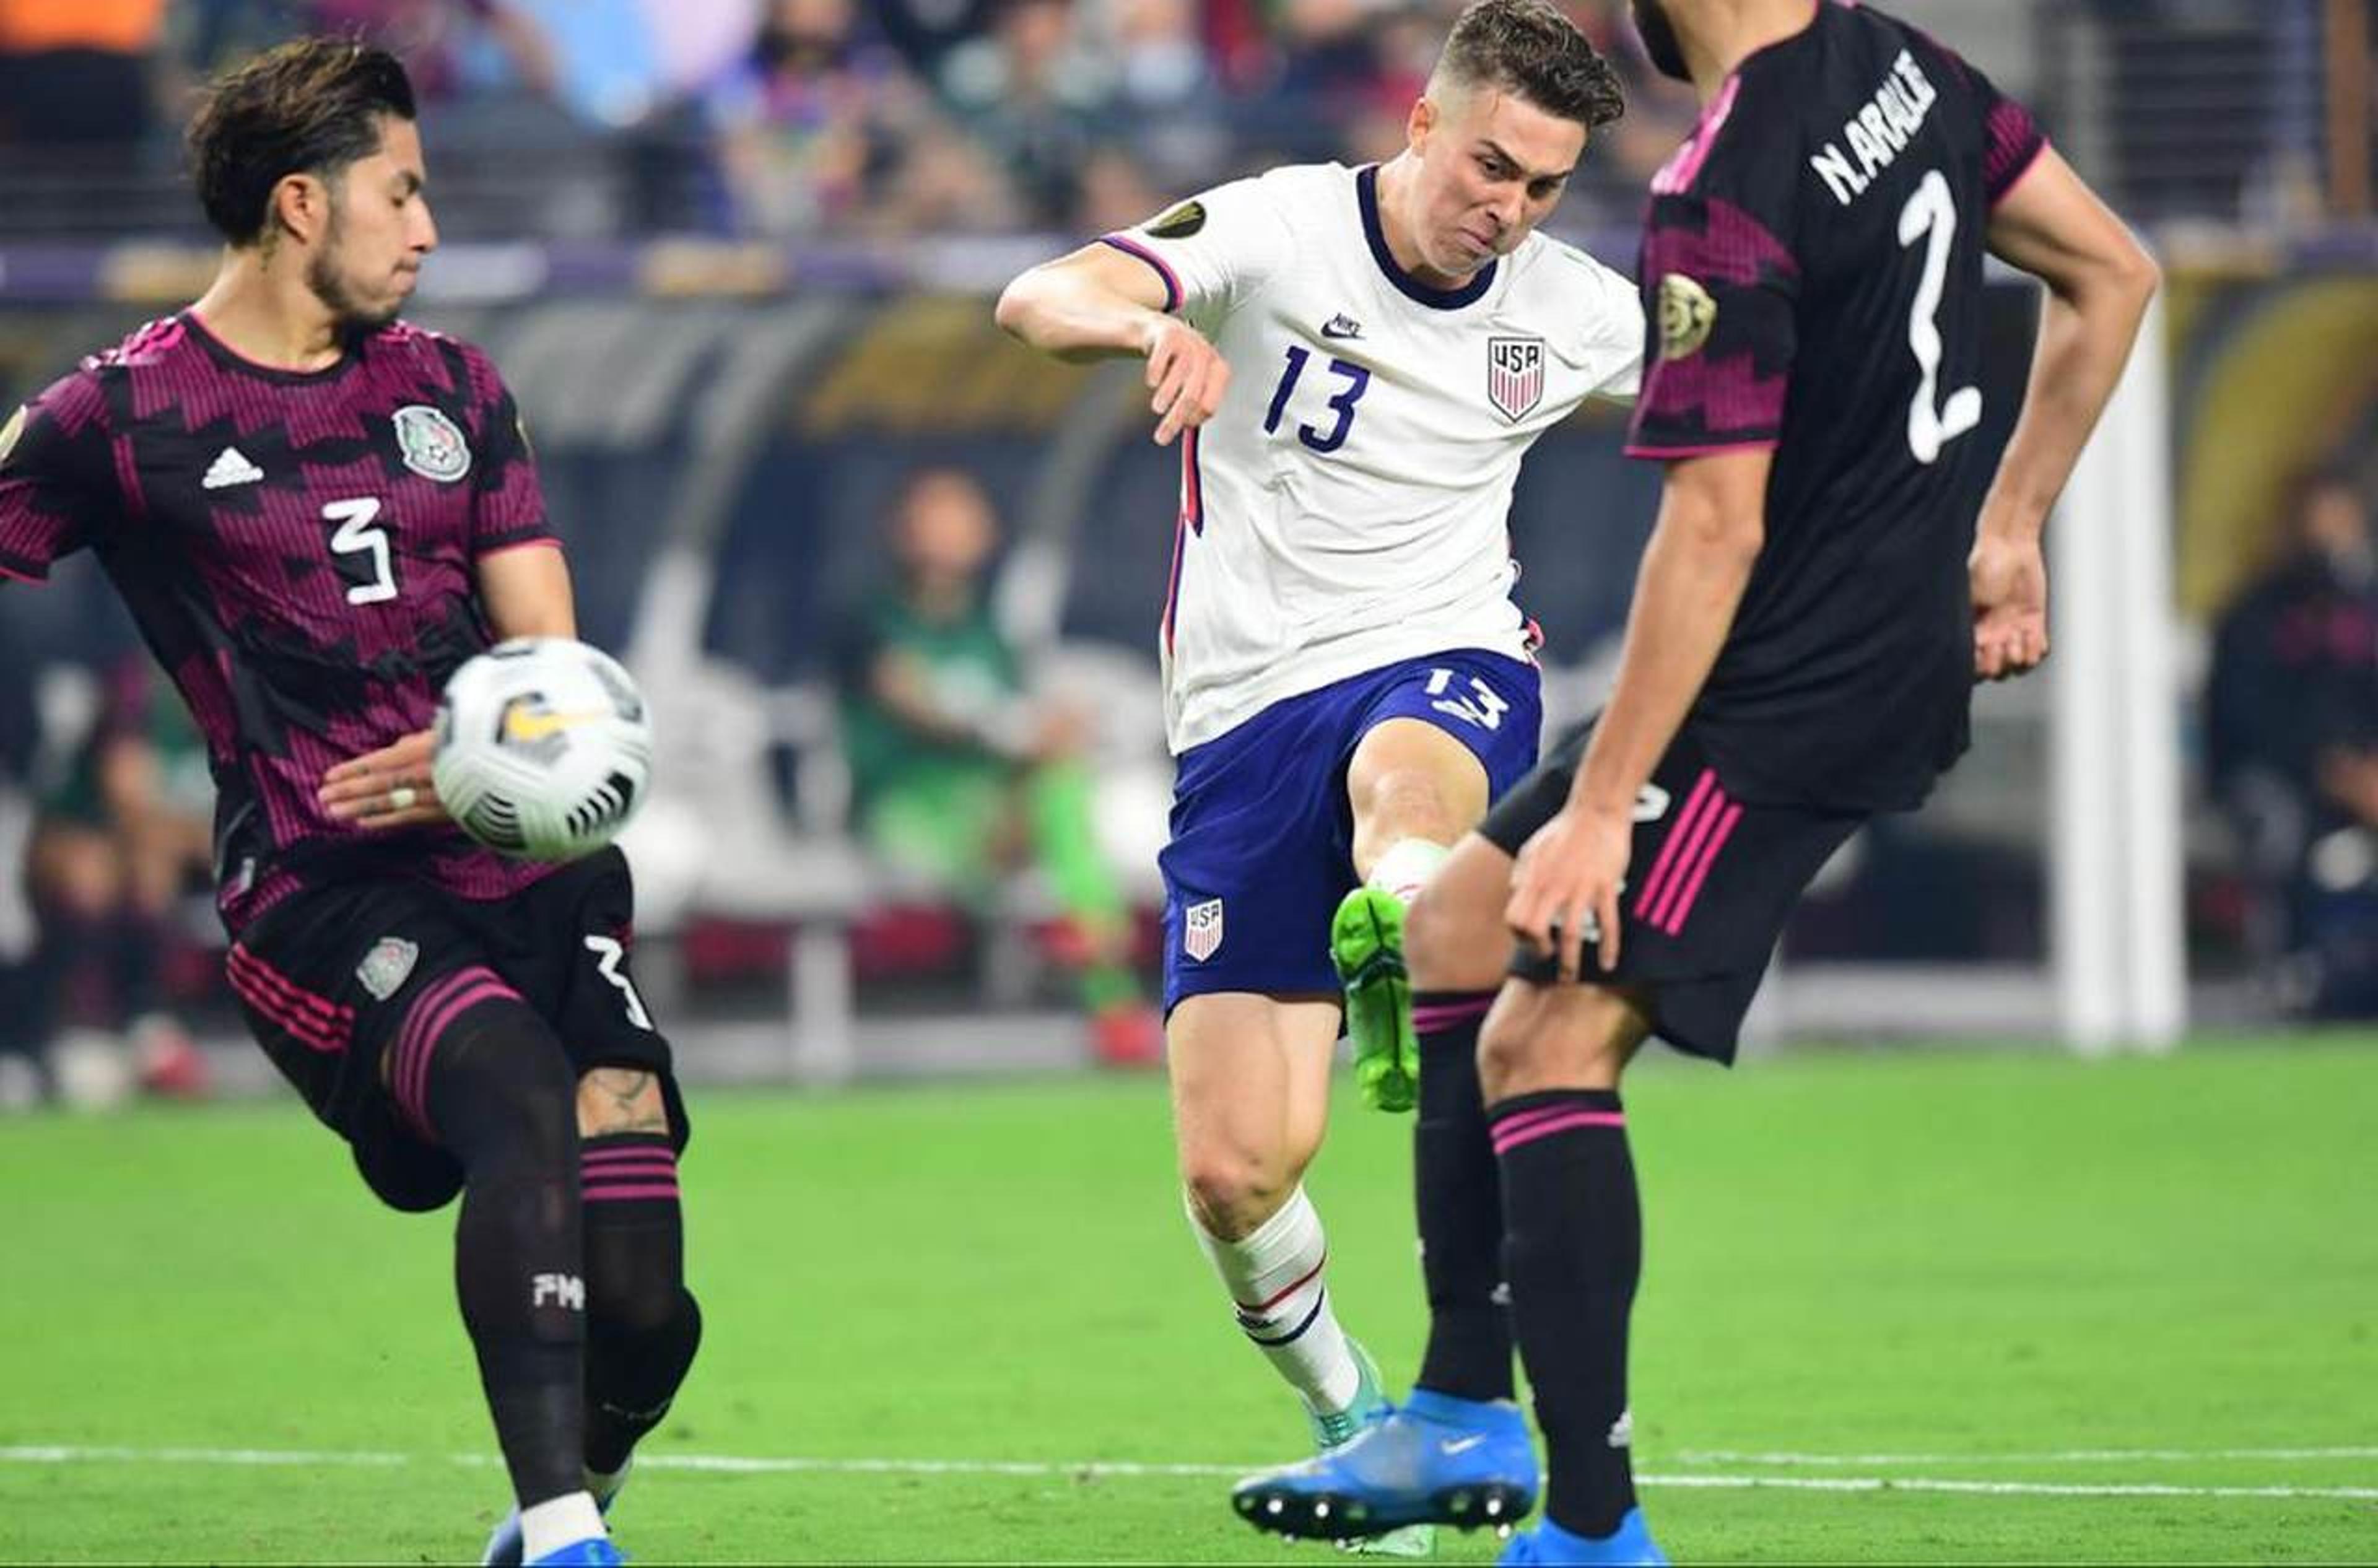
(1457,1197)
(1573,1251)
(484,1075)
(643,1326)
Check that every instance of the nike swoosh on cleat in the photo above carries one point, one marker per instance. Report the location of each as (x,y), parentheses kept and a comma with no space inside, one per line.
(1453,1445)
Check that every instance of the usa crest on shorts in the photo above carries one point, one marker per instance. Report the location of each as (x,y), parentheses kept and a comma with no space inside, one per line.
(430,443)
(1201,929)
(1515,376)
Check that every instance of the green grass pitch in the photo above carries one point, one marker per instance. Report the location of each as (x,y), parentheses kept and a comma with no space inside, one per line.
(1904,1307)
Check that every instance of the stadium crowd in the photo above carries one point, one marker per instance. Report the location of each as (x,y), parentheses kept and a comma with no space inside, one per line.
(797,118)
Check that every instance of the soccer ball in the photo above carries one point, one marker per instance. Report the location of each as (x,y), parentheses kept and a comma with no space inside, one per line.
(544,749)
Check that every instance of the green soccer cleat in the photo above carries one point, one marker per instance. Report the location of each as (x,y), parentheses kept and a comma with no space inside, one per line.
(1371,1405)
(1366,944)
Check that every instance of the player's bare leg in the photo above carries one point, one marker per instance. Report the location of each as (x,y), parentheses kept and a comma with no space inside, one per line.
(1550,1060)
(1414,789)
(643,1326)
(1251,1101)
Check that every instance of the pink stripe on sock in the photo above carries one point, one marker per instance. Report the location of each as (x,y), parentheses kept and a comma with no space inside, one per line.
(1506,1141)
(629,1194)
(1714,809)
(1668,847)
(1446,1014)
(1709,858)
(664,1169)
(410,1061)
(653,1151)
(413,1089)
(1520,1118)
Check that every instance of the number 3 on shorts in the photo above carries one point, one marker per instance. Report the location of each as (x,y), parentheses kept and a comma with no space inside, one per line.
(608,954)
(1485,708)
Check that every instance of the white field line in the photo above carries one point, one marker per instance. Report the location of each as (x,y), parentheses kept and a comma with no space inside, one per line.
(733,1464)
(2054,1457)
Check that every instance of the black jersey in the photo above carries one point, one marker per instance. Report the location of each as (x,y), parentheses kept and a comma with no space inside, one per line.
(1812,276)
(297,550)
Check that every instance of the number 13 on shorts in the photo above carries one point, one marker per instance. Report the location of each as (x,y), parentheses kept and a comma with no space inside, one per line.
(1481,706)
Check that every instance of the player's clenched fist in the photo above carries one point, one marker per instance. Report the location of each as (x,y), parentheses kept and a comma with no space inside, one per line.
(1187,374)
(2009,587)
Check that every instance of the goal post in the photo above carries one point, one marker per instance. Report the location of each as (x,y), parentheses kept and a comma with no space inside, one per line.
(2116,928)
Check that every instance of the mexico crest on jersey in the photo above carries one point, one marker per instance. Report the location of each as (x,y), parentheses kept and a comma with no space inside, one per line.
(1687,313)
(387,967)
(431,444)
(1515,376)
(1201,930)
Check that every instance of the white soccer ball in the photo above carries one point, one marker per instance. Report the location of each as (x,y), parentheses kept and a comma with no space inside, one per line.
(544,748)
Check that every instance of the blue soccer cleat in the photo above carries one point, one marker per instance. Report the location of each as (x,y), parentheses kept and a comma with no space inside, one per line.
(1438,1460)
(595,1552)
(505,1546)
(1630,1543)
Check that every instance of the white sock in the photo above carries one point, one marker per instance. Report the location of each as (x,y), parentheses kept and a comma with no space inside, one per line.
(557,1522)
(1274,1278)
(605,1486)
(1406,867)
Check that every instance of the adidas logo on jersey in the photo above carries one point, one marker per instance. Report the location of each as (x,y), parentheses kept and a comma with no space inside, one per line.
(231,467)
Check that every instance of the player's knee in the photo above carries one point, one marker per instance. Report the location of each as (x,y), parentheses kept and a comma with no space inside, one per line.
(1232,1189)
(1542,1037)
(1448,948)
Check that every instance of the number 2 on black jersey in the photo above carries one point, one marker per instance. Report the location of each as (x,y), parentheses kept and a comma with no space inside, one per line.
(1931,215)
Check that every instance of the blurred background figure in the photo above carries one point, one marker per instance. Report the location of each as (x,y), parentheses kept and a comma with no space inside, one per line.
(74,73)
(120,838)
(2291,731)
(960,777)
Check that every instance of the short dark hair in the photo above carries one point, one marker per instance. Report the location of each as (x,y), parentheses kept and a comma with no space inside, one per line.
(1528,47)
(309,106)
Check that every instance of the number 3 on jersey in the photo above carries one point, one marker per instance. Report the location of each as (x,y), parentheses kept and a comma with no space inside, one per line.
(1930,215)
(1484,708)
(371,581)
(1358,381)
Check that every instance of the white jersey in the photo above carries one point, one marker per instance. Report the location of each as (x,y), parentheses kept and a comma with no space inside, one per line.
(1347,506)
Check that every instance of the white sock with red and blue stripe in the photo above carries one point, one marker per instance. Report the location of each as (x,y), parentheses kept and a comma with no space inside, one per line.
(1274,1276)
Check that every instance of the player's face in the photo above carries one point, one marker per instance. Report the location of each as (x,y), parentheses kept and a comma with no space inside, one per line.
(378,233)
(1491,167)
(1659,31)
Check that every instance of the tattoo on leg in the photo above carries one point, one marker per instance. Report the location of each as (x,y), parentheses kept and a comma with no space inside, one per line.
(620,1089)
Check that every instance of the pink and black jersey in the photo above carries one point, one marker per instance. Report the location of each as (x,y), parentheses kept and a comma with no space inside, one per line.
(297,549)
(1812,274)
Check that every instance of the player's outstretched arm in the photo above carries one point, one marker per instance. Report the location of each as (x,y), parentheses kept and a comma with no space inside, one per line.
(1712,523)
(2099,280)
(1100,303)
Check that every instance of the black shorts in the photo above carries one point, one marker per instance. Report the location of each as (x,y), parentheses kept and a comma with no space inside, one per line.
(331,978)
(1708,885)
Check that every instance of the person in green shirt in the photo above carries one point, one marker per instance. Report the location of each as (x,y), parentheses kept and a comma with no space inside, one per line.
(959,776)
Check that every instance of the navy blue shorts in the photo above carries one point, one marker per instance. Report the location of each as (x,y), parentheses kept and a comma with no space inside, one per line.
(1263,837)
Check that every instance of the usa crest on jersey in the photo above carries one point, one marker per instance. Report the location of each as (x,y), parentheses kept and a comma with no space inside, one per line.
(1515,376)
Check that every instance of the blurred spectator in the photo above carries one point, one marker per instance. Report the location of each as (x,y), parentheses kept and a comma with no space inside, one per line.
(818,128)
(960,778)
(118,842)
(2292,737)
(1033,93)
(74,73)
